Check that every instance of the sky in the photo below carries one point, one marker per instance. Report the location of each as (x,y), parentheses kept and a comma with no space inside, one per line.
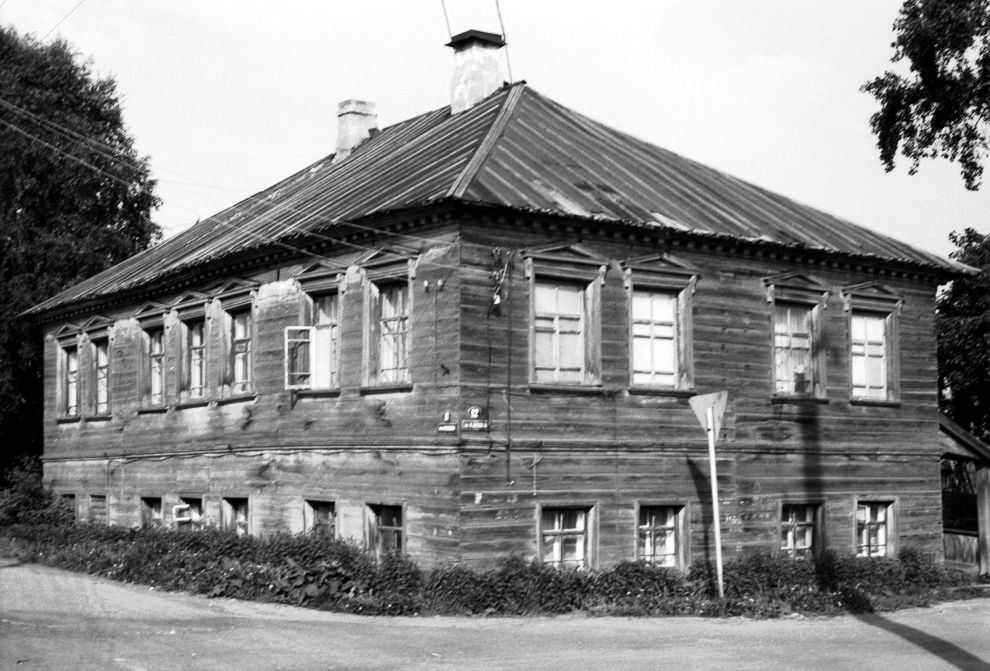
(227,97)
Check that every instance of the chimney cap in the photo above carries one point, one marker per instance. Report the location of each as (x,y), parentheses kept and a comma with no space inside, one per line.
(463,39)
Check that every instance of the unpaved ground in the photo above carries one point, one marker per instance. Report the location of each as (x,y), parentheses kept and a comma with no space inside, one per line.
(51,619)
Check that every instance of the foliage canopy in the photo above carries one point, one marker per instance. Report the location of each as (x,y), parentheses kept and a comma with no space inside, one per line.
(963,323)
(942,109)
(75,198)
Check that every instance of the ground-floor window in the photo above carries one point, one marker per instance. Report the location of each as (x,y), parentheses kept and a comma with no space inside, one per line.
(151,512)
(188,514)
(798,526)
(385,529)
(234,515)
(659,535)
(873,520)
(69,502)
(319,517)
(97,509)
(564,537)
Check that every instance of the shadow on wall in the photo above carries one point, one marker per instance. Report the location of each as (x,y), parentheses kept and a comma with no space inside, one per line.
(939,647)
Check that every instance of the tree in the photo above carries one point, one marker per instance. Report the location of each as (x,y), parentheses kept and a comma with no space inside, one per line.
(74,199)
(963,324)
(943,108)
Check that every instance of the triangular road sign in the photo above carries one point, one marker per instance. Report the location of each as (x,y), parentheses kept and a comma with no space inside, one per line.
(716,401)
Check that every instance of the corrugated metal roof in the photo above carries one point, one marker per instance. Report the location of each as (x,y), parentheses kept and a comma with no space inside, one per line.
(516,149)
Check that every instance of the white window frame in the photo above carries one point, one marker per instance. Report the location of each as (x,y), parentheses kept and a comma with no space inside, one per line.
(551,531)
(386,274)
(794,291)
(241,358)
(876,514)
(69,379)
(870,300)
(790,345)
(101,375)
(376,531)
(673,532)
(861,350)
(557,323)
(193,358)
(155,366)
(321,342)
(793,529)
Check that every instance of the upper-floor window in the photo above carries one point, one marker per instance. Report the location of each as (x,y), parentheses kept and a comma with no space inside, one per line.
(793,363)
(389,309)
(873,354)
(654,338)
(156,366)
(660,348)
(312,353)
(242,331)
(193,383)
(559,332)
(101,376)
(70,380)
(868,355)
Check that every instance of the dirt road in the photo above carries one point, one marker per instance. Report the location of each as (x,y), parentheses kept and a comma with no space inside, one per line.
(52,619)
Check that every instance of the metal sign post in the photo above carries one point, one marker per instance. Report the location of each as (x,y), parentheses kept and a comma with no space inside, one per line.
(710,409)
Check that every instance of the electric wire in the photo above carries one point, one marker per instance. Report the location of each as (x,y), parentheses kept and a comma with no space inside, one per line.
(505,39)
(446,18)
(67,15)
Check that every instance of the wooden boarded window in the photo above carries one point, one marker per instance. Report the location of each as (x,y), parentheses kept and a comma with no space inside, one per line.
(654,338)
(873,535)
(234,515)
(868,355)
(151,512)
(564,537)
(188,513)
(659,535)
(155,366)
(242,331)
(101,375)
(70,380)
(194,359)
(558,332)
(798,528)
(385,529)
(320,518)
(97,509)
(794,368)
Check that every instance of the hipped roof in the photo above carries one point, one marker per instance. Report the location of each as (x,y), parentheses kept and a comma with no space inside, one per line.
(516,149)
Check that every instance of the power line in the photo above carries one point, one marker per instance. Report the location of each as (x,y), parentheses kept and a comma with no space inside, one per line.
(505,39)
(68,14)
(446,19)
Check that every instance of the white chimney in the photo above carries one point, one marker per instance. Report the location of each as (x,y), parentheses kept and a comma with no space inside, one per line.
(356,121)
(477,68)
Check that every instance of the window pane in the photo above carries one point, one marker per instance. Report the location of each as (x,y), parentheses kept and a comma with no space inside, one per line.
(655,359)
(570,300)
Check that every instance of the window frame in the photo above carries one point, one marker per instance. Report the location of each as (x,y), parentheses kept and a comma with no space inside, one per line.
(311,524)
(326,365)
(373,528)
(230,514)
(577,267)
(187,322)
(69,388)
(589,535)
(891,526)
(104,502)
(240,352)
(100,373)
(669,275)
(385,272)
(871,299)
(680,527)
(196,519)
(816,524)
(807,293)
(149,518)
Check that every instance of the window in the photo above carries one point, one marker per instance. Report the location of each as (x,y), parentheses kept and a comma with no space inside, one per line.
(873,529)
(97,509)
(151,512)
(156,366)
(794,370)
(659,535)
(558,333)
(564,537)
(188,513)
(194,359)
(319,517)
(798,526)
(234,515)
(70,381)
(240,361)
(69,503)
(393,333)
(654,338)
(312,353)
(101,375)
(385,529)
(868,341)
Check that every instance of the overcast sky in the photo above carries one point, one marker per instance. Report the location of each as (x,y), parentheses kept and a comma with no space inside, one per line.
(229,96)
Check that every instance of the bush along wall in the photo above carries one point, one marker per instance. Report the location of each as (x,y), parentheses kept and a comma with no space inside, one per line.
(321,572)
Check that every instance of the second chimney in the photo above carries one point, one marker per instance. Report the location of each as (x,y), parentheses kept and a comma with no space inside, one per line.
(477,73)
(356,120)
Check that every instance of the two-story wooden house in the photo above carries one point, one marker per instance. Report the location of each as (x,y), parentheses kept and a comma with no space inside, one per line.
(475,333)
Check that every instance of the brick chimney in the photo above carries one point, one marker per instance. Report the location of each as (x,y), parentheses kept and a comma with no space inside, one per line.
(356,121)
(477,70)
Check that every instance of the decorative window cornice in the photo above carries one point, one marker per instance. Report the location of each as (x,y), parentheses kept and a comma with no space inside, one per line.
(565,261)
(796,287)
(661,271)
(871,296)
